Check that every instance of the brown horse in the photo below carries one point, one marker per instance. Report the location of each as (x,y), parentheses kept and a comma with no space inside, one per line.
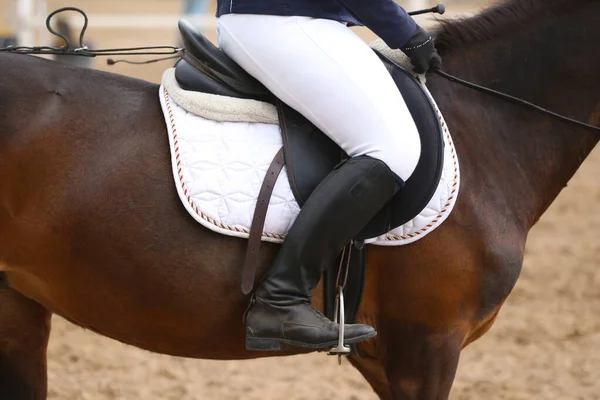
(91,227)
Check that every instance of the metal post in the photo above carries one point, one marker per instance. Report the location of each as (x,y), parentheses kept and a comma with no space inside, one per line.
(42,13)
(24,18)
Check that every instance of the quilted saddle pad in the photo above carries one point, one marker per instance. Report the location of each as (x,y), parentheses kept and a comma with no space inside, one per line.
(221,149)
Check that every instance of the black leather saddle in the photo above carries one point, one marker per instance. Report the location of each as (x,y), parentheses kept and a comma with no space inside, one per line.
(309,154)
(205,68)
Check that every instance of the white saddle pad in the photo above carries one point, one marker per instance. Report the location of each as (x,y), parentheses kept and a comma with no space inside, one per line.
(219,167)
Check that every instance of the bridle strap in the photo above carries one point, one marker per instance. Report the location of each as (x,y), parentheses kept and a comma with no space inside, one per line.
(513,99)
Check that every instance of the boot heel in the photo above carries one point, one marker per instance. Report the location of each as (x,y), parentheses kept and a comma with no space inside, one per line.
(258,344)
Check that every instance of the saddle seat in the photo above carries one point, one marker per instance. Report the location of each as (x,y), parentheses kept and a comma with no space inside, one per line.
(206,68)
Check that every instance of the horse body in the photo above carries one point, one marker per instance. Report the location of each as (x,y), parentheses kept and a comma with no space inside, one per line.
(84,186)
(91,227)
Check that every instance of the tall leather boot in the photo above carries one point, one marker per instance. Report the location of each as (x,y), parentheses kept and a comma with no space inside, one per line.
(280,310)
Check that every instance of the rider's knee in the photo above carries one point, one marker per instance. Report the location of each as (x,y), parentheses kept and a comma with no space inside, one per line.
(402,154)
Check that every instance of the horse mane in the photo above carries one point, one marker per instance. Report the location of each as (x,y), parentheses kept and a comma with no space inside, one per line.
(493,21)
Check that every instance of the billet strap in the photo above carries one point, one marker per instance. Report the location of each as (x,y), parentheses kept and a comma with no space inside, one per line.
(258,222)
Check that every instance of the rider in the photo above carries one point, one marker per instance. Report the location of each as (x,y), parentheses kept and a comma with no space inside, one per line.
(304,53)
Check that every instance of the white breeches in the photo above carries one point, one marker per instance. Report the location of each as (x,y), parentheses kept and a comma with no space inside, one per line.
(328,74)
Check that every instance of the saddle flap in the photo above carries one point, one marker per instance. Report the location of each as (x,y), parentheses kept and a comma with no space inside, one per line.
(422,184)
(309,154)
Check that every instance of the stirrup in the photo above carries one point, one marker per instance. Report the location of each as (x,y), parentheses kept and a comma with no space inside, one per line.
(339,317)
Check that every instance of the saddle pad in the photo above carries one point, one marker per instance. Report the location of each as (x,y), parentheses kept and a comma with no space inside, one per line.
(219,168)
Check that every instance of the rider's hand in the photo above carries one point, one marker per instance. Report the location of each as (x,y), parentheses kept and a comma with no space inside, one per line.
(420,48)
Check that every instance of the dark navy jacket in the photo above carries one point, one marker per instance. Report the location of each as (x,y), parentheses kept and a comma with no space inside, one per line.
(385,18)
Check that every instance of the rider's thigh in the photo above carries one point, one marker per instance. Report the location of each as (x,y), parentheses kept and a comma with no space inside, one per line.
(323,70)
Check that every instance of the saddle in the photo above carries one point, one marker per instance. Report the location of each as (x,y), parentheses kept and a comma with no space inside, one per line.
(309,155)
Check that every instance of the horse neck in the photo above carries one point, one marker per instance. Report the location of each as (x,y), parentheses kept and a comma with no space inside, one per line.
(520,157)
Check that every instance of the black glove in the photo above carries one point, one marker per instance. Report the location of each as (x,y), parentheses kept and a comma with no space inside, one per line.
(420,48)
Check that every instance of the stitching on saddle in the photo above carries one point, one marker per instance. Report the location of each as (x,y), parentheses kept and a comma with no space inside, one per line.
(417,46)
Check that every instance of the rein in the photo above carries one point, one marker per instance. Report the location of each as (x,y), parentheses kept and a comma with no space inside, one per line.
(512,99)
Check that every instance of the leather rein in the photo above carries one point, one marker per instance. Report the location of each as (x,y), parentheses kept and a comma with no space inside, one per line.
(512,99)
(175,52)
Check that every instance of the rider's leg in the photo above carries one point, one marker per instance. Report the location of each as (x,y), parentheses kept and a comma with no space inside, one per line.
(334,213)
(324,71)
(328,74)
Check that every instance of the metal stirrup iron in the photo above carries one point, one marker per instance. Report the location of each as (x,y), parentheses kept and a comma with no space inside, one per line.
(339,317)
(339,313)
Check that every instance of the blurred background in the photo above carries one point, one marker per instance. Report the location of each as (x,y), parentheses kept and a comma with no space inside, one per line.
(126,23)
(545,344)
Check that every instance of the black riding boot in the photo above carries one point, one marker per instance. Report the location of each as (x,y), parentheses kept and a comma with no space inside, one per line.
(337,210)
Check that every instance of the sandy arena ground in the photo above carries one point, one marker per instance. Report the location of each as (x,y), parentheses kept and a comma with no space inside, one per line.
(545,344)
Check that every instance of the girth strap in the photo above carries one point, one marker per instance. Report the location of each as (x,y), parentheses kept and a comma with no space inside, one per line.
(258,221)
